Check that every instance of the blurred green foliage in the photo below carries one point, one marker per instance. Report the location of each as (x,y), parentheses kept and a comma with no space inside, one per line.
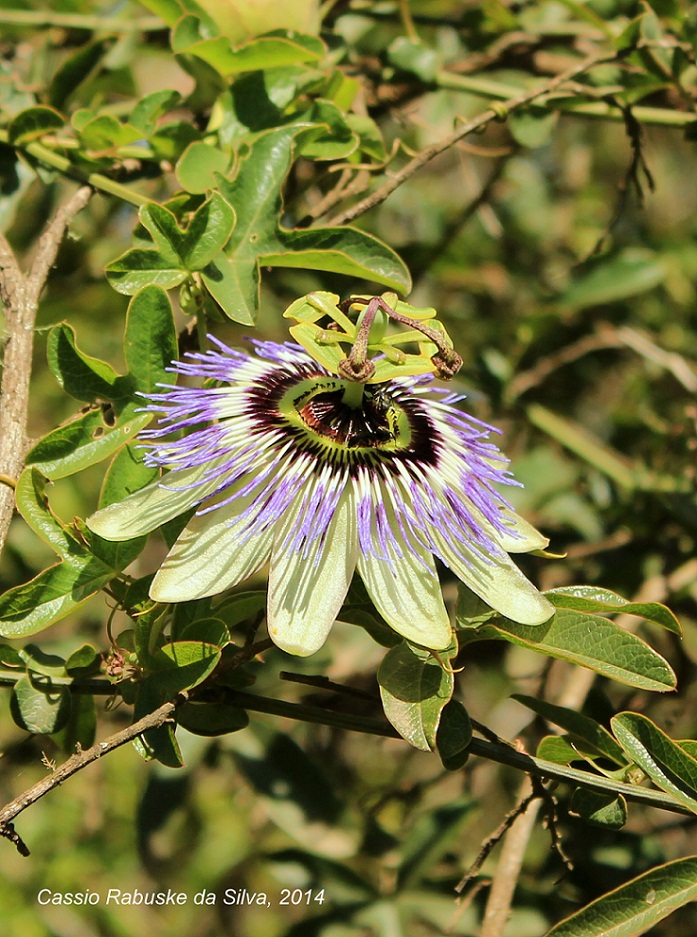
(559,249)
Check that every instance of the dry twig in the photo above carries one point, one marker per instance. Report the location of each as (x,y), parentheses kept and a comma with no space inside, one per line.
(76,762)
(20,294)
(477,123)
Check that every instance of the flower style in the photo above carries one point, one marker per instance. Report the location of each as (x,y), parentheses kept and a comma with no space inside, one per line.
(290,464)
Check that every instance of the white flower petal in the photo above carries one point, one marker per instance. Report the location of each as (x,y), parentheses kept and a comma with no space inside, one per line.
(306,592)
(209,555)
(498,581)
(408,595)
(523,537)
(153,505)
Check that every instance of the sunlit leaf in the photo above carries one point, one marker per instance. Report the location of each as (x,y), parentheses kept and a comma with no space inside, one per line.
(592,642)
(582,727)
(39,706)
(663,760)
(414,690)
(636,907)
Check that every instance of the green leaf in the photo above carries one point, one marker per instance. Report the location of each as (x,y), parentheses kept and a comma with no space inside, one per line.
(198,166)
(269,51)
(414,690)
(454,735)
(150,345)
(634,908)
(80,375)
(81,727)
(235,287)
(39,706)
(210,719)
(689,746)
(208,232)
(612,279)
(343,250)
(145,114)
(168,10)
(332,137)
(179,252)
(10,658)
(663,760)
(139,267)
(209,630)
(33,123)
(582,727)
(82,660)
(150,340)
(114,554)
(255,195)
(182,665)
(170,140)
(605,810)
(85,440)
(105,133)
(50,596)
(161,225)
(76,69)
(160,743)
(592,642)
(239,607)
(558,749)
(370,139)
(32,504)
(533,126)
(60,589)
(126,474)
(596,599)
(412,55)
(39,662)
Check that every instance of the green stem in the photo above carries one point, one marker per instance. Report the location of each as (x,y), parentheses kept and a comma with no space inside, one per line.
(96,180)
(353,394)
(488,88)
(124,152)
(202,330)
(407,20)
(110,24)
(94,687)
(501,753)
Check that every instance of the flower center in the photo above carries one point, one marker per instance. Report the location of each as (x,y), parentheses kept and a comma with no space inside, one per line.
(320,409)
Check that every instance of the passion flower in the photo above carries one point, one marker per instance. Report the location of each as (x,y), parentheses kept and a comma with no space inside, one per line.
(291,465)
